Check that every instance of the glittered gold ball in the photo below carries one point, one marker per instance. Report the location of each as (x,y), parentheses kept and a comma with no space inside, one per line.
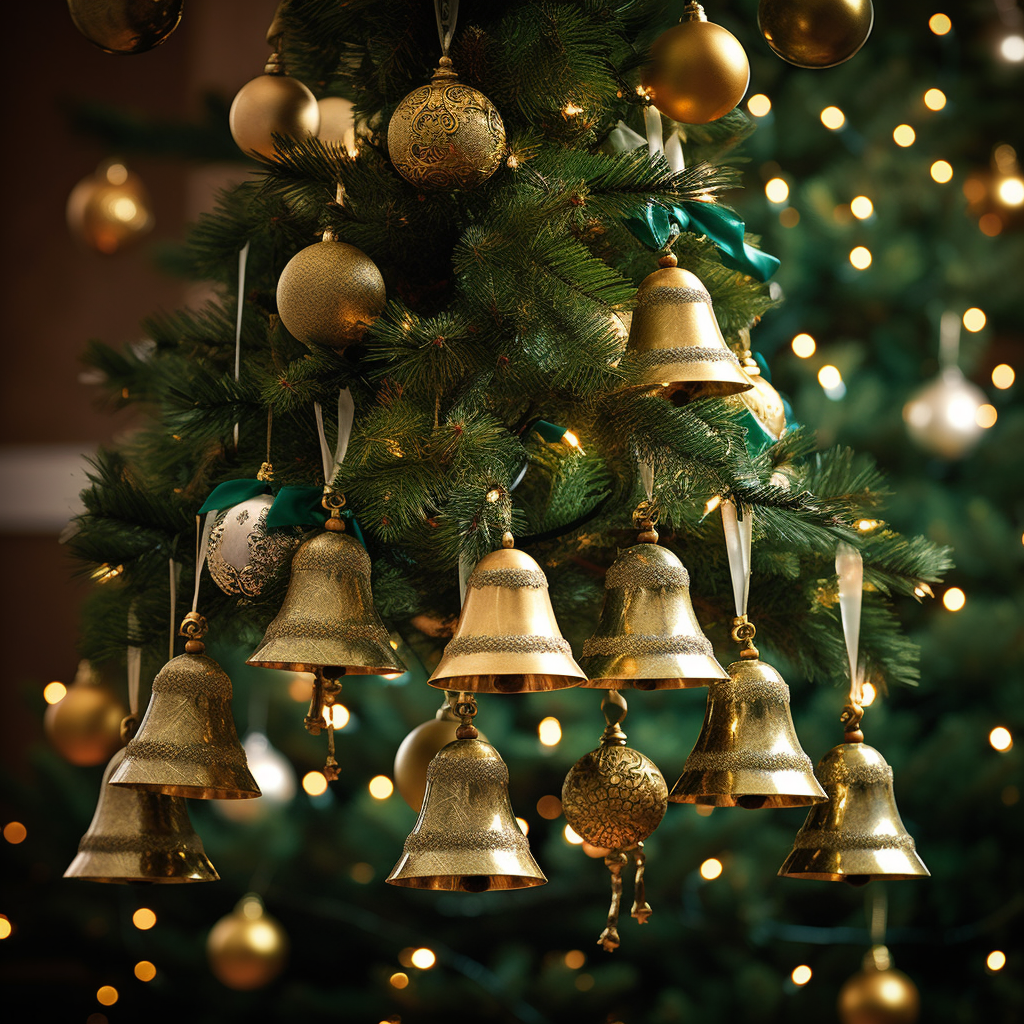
(614,797)
(815,33)
(879,997)
(110,209)
(446,135)
(125,26)
(269,105)
(85,725)
(698,72)
(417,750)
(329,293)
(248,948)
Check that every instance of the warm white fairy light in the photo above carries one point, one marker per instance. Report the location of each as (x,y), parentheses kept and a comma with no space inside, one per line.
(776,190)
(1011,48)
(934,99)
(381,787)
(5,927)
(572,836)
(710,869)
(903,135)
(940,24)
(860,257)
(106,995)
(941,171)
(832,117)
(862,207)
(801,975)
(423,958)
(1011,191)
(974,319)
(954,599)
(986,416)
(524,826)
(144,919)
(829,377)
(550,731)
(145,970)
(996,960)
(868,693)
(1001,739)
(803,345)
(314,783)
(1003,376)
(759,105)
(53,693)
(337,715)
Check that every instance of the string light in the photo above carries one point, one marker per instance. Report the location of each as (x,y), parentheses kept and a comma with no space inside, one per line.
(145,970)
(572,109)
(801,975)
(399,979)
(571,440)
(860,257)
(106,995)
(713,502)
(549,807)
(584,982)
(759,105)
(710,869)
(15,832)
(776,190)
(571,836)
(524,826)
(1012,48)
(941,171)
(867,525)
(53,693)
(314,783)
(381,787)
(423,958)
(144,919)
(337,715)
(868,693)
(903,135)
(974,319)
(803,345)
(829,377)
(934,99)
(862,207)
(996,960)
(1001,739)
(833,117)
(5,927)
(550,731)
(954,599)
(940,24)
(991,224)
(986,416)
(1003,376)
(1011,191)
(575,959)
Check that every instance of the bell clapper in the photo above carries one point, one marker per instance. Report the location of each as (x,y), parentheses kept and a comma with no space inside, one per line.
(194,628)
(326,689)
(743,632)
(609,939)
(641,908)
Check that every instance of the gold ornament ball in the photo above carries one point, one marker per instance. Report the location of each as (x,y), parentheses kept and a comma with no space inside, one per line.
(248,948)
(416,751)
(268,105)
(614,797)
(85,725)
(446,135)
(329,293)
(762,401)
(879,997)
(815,33)
(109,209)
(125,26)
(698,70)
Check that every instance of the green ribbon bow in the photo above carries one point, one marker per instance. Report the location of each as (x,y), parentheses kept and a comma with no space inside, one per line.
(233,492)
(722,226)
(303,506)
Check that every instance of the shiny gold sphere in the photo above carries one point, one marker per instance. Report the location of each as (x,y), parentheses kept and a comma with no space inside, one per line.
(417,750)
(269,105)
(85,725)
(125,26)
(446,135)
(762,401)
(614,797)
(329,293)
(879,997)
(815,33)
(248,948)
(698,72)
(110,209)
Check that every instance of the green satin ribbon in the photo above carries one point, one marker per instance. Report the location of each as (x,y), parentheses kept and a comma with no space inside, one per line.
(722,226)
(303,506)
(233,492)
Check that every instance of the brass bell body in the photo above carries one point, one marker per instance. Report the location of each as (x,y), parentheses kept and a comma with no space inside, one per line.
(136,836)
(648,637)
(466,837)
(507,639)
(675,340)
(747,753)
(327,618)
(187,744)
(856,837)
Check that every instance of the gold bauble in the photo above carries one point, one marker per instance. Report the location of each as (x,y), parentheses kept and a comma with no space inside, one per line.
(417,750)
(698,70)
(329,293)
(125,26)
(248,948)
(879,994)
(446,135)
(272,104)
(614,797)
(85,724)
(109,209)
(762,401)
(815,33)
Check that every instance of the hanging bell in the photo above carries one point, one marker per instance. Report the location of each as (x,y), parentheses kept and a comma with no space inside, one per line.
(648,637)
(136,836)
(327,619)
(507,639)
(675,343)
(187,744)
(857,837)
(747,753)
(466,837)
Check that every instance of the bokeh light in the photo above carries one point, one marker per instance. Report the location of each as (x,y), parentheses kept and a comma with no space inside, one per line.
(986,416)
(1011,48)
(710,869)
(860,257)
(423,958)
(575,959)
(801,975)
(571,836)
(862,207)
(145,970)
(15,832)
(941,171)
(974,319)
(106,995)
(144,919)
(381,787)
(314,783)
(903,135)
(1011,191)
(940,24)
(996,960)
(829,377)
(1001,739)
(550,731)
(833,117)
(954,599)
(776,190)
(759,105)
(53,693)
(1003,376)
(934,99)
(399,979)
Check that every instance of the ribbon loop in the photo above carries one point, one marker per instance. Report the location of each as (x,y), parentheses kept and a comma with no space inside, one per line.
(447,12)
(738,536)
(850,569)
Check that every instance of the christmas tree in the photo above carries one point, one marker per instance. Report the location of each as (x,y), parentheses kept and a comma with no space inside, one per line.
(502,340)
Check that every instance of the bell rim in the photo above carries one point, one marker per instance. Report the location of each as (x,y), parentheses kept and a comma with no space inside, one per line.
(417,882)
(390,672)
(912,863)
(209,874)
(479,684)
(189,792)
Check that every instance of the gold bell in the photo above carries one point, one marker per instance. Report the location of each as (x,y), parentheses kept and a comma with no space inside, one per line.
(466,837)
(327,619)
(507,639)
(139,837)
(187,744)
(747,753)
(648,636)
(675,341)
(856,837)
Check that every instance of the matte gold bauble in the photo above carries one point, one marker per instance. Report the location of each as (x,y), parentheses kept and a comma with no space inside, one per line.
(698,70)
(272,104)
(446,135)
(815,33)
(416,752)
(879,994)
(329,293)
(85,725)
(248,948)
(109,209)
(125,26)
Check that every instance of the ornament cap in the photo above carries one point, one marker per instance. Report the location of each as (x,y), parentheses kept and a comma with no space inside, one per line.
(694,12)
(445,71)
